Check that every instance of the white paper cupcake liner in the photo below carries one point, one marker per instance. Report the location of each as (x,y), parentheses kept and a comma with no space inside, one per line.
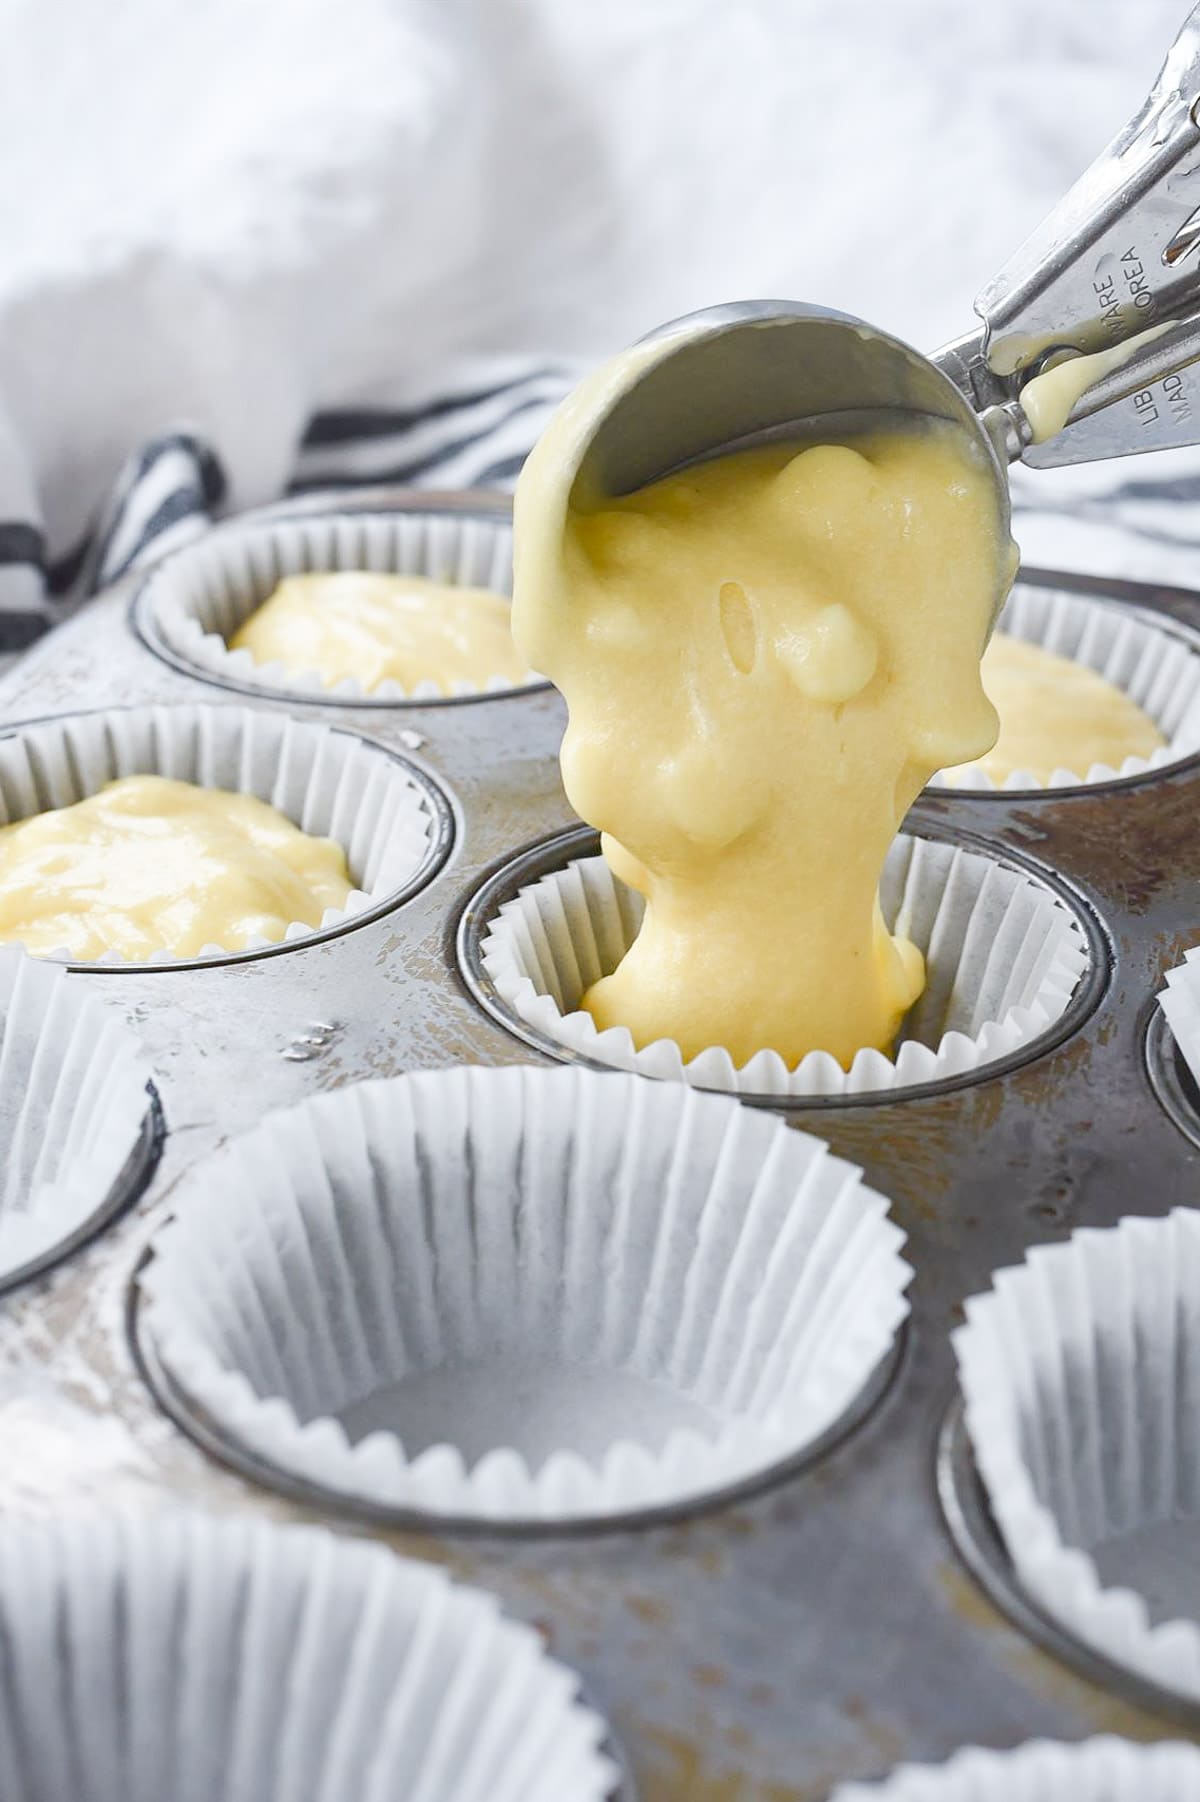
(194,601)
(1080,1372)
(1004,956)
(1156,666)
(1180,1002)
(1097,1770)
(330,783)
(73,1113)
(523,1295)
(181,1659)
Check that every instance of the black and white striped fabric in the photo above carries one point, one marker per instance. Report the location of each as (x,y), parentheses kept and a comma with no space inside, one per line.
(173,487)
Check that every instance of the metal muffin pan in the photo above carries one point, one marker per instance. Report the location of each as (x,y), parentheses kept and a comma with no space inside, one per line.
(826,1626)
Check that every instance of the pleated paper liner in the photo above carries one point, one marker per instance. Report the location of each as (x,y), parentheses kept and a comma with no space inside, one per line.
(523,1296)
(1149,658)
(1105,1769)
(1004,954)
(195,601)
(1080,1373)
(78,1124)
(388,817)
(174,1658)
(1180,1002)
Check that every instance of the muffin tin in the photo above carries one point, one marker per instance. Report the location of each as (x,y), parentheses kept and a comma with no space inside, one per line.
(825,1627)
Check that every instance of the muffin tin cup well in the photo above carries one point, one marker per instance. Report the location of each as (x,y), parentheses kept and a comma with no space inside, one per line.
(1105,1769)
(1080,1372)
(391,820)
(195,600)
(523,1297)
(1152,659)
(177,1657)
(79,1123)
(1010,956)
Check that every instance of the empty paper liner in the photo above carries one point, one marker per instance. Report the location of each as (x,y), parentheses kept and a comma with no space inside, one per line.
(1097,1770)
(1180,1002)
(1152,661)
(1004,955)
(388,818)
(77,1132)
(180,1659)
(195,601)
(1080,1371)
(523,1295)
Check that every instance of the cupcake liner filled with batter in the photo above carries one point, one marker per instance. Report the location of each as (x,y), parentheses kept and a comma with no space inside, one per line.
(1080,1371)
(381,824)
(75,1114)
(176,1657)
(197,600)
(1151,662)
(1004,955)
(523,1296)
(1105,1769)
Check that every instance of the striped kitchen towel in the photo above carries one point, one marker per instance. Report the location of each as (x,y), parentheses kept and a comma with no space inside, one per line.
(174,486)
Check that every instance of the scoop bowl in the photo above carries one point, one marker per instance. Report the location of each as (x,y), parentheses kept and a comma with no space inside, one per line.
(756,370)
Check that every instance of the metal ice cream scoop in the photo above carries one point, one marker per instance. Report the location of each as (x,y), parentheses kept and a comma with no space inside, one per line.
(1120,254)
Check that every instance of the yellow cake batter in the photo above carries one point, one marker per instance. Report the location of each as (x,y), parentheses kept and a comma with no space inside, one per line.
(1056,714)
(1050,398)
(380,628)
(149,864)
(765,657)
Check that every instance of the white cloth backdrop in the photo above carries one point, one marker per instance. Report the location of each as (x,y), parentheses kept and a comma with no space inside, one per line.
(219,218)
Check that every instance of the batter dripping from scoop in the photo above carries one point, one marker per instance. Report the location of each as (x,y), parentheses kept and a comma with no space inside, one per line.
(764,657)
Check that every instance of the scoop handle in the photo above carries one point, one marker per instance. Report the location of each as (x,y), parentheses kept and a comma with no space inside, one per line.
(1119,253)
(1121,250)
